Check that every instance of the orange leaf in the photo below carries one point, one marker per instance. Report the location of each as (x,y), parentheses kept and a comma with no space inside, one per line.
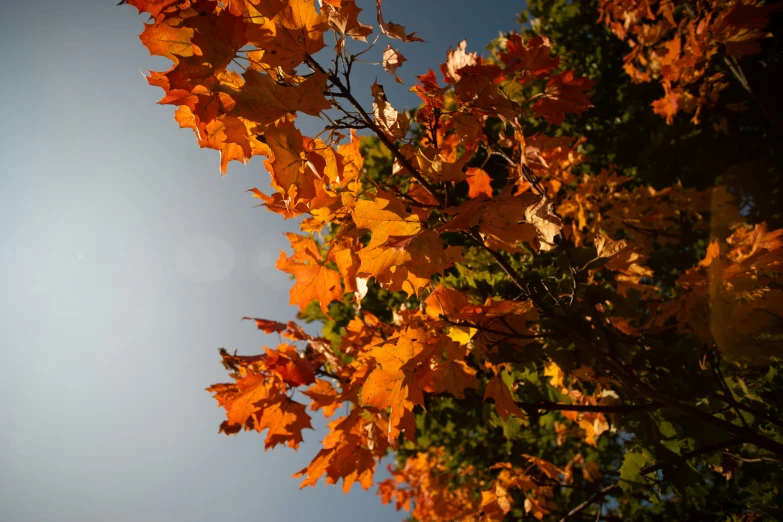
(285,419)
(445,301)
(324,397)
(453,375)
(504,403)
(391,383)
(288,165)
(314,281)
(289,31)
(267,326)
(263,101)
(386,216)
(478,182)
(169,39)
(713,251)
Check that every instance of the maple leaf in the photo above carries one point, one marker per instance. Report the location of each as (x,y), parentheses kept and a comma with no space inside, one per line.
(391,384)
(392,60)
(434,165)
(549,469)
(354,466)
(563,93)
(219,36)
(496,503)
(378,259)
(741,27)
(284,419)
(169,39)
(453,375)
(478,91)
(267,326)
(674,100)
(408,263)
(233,137)
(386,216)
(456,59)
(346,454)
(444,301)
(288,166)
(240,399)
(393,30)
(429,91)
(324,397)
(533,57)
(314,281)
(344,19)
(289,365)
(347,261)
(498,391)
(546,223)
(263,101)
(201,48)
(288,31)
(349,160)
(606,247)
(478,182)
(392,123)
(429,255)
(156,8)
(279,204)
(504,223)
(713,251)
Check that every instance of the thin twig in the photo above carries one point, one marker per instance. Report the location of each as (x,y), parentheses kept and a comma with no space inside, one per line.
(712,448)
(587,503)
(406,164)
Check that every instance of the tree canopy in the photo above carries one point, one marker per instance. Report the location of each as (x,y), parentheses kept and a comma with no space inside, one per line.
(552,290)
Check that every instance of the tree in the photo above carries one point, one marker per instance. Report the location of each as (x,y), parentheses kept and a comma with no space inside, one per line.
(516,300)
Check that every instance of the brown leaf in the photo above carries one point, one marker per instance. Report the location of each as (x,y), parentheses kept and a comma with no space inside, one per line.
(563,93)
(606,247)
(393,30)
(343,18)
(456,59)
(391,123)
(392,60)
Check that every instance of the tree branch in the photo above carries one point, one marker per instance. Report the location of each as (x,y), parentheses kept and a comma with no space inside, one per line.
(695,453)
(618,408)
(370,122)
(584,505)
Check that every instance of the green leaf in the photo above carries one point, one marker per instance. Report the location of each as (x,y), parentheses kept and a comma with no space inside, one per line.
(630,472)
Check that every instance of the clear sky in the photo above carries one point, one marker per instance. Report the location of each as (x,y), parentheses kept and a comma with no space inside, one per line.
(127,262)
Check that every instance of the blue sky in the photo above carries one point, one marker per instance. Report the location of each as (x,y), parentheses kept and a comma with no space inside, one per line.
(127,262)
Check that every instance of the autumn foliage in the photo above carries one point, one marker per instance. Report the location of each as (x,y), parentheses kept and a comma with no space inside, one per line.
(675,44)
(499,311)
